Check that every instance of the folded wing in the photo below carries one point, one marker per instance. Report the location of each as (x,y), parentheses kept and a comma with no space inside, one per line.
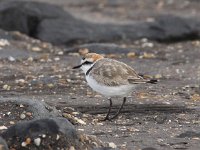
(114,73)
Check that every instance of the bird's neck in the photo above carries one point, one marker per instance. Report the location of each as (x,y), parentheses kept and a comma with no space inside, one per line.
(87,68)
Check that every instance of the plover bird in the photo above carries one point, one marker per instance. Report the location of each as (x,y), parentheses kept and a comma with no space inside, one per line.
(110,78)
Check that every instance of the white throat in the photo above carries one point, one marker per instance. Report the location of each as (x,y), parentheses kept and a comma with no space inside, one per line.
(85,68)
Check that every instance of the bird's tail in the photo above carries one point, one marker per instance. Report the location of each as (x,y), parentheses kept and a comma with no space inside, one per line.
(148,79)
(152,81)
(142,80)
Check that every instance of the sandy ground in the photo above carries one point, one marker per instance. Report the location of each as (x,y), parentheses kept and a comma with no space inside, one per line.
(155,115)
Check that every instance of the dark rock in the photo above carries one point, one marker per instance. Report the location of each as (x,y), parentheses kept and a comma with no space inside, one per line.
(70,32)
(53,24)
(38,108)
(51,128)
(164,29)
(3,144)
(189,134)
(105,48)
(28,14)
(35,128)
(51,133)
(168,28)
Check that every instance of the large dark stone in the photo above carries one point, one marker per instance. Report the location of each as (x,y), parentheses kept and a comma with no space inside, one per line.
(25,16)
(164,29)
(38,108)
(53,24)
(51,128)
(106,48)
(38,127)
(189,134)
(3,144)
(168,28)
(53,133)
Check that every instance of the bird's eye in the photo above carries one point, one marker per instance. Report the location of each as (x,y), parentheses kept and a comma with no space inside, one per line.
(83,58)
(87,62)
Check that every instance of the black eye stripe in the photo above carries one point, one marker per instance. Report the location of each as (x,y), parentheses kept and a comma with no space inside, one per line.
(87,62)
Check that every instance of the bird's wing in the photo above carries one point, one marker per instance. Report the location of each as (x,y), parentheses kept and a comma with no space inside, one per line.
(114,73)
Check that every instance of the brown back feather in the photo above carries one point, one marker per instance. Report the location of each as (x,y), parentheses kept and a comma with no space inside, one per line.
(113,73)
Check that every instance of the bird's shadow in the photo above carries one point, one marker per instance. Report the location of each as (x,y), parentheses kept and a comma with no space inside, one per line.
(136,108)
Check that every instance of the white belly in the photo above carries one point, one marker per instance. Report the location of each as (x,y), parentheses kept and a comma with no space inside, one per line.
(109,91)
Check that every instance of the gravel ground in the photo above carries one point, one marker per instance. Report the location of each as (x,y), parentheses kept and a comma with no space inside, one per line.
(161,116)
(155,115)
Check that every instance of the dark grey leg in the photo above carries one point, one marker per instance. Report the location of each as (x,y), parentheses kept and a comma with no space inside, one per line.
(107,116)
(115,116)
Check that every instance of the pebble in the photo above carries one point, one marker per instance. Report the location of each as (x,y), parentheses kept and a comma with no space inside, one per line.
(69,80)
(20,81)
(57,137)
(10,58)
(6,87)
(3,128)
(195,97)
(29,114)
(73,54)
(147,55)
(71,148)
(4,42)
(80,121)
(80,129)
(148,44)
(22,116)
(37,141)
(112,145)
(8,113)
(12,122)
(60,53)
(158,76)
(131,55)
(56,58)
(132,129)
(28,141)
(75,113)
(43,135)
(144,40)
(36,49)
(195,138)
(30,59)
(98,96)
(21,105)
(23,144)
(95,143)
(50,85)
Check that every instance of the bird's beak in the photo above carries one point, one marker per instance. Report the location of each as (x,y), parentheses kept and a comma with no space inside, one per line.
(76,67)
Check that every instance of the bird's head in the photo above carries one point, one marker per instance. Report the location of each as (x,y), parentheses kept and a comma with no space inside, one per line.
(88,61)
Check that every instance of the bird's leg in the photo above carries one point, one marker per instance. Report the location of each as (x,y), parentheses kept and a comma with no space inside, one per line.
(107,116)
(118,112)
